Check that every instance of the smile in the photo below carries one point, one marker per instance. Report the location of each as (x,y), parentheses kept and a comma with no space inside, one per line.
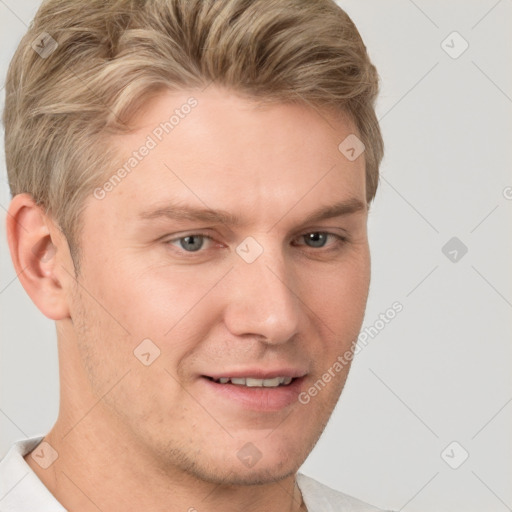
(254,383)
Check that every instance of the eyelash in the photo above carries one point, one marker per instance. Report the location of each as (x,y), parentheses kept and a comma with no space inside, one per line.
(340,241)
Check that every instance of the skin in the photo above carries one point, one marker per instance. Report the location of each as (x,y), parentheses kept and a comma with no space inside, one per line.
(133,437)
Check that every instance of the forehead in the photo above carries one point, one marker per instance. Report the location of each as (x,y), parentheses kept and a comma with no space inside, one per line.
(215,149)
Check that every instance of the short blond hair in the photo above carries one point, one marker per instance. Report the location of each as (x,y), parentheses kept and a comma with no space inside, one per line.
(84,69)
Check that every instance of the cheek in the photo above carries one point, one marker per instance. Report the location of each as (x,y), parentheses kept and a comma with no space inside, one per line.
(100,340)
(340,296)
(171,307)
(109,335)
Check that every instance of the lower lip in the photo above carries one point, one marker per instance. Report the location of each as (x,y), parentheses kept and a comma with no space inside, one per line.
(258,398)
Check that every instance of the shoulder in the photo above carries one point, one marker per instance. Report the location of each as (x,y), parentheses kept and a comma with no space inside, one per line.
(321,498)
(13,463)
(20,488)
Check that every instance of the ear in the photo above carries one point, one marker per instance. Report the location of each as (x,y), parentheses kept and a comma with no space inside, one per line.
(40,254)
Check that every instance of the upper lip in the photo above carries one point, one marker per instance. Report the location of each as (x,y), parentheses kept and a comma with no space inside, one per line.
(259,373)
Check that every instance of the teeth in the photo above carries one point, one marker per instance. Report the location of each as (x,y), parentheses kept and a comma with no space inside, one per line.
(256,383)
(272,383)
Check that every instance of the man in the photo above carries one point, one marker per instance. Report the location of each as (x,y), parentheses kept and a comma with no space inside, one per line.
(191,182)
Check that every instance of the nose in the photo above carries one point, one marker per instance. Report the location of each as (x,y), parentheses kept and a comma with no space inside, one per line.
(262,300)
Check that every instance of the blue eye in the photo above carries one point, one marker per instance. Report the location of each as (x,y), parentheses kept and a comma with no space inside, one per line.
(319,239)
(194,242)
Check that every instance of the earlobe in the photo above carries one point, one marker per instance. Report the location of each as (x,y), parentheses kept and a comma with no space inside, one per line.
(38,253)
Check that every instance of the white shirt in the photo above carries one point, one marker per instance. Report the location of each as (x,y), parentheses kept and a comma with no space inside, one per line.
(22,491)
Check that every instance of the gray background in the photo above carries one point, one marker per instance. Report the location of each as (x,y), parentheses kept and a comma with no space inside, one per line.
(441,370)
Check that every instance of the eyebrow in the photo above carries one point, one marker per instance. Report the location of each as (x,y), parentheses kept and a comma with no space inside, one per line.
(179,212)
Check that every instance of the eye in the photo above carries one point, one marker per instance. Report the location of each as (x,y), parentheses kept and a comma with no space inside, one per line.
(190,243)
(318,239)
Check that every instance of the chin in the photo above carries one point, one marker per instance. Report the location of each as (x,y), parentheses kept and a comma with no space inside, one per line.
(237,474)
(239,466)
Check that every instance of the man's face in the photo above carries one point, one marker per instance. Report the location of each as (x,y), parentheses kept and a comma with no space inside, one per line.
(276,294)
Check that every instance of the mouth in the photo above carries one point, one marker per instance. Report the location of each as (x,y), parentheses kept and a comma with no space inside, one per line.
(252,382)
(253,391)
